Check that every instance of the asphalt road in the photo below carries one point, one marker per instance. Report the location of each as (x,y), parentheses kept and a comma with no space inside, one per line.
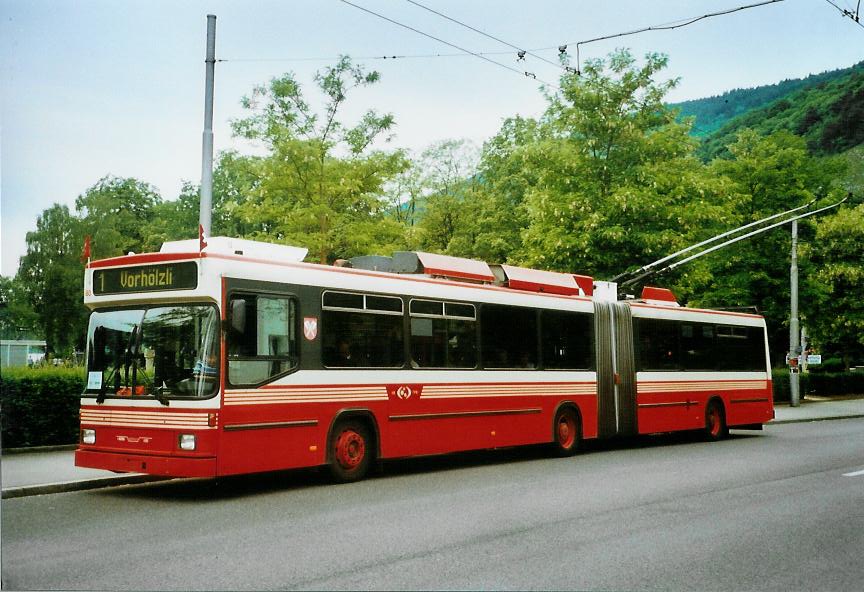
(768,510)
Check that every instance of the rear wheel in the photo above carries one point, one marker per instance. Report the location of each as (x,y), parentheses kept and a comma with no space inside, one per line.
(350,451)
(567,432)
(715,421)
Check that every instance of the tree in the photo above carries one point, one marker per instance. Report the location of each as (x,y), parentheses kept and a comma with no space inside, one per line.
(18,320)
(321,185)
(173,219)
(766,175)
(498,214)
(53,278)
(115,212)
(838,255)
(610,178)
(437,192)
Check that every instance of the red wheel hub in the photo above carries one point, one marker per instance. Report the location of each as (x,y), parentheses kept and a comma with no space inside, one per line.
(350,449)
(714,421)
(566,431)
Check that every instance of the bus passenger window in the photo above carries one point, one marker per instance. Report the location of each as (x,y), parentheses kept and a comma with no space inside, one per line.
(568,342)
(740,348)
(361,330)
(657,344)
(509,336)
(262,341)
(443,334)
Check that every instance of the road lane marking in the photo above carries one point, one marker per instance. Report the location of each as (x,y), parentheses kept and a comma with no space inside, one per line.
(854,474)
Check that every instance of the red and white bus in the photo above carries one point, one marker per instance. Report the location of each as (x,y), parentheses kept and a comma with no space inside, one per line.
(241,358)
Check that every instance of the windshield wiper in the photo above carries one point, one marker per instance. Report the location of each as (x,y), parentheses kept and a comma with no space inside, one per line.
(160,394)
(129,360)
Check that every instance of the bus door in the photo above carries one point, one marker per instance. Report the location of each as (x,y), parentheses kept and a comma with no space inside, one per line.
(616,376)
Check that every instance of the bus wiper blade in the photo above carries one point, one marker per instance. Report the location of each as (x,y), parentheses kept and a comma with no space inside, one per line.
(160,395)
(135,340)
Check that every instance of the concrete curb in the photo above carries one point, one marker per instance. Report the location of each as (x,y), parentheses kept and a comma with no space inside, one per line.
(809,419)
(55,448)
(67,486)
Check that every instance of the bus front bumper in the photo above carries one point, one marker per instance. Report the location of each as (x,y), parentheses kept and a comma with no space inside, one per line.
(171,466)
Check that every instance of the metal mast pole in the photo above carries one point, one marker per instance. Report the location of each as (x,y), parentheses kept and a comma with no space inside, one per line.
(206,207)
(794,331)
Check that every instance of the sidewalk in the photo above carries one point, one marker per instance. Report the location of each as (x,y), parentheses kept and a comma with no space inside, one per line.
(53,471)
(819,408)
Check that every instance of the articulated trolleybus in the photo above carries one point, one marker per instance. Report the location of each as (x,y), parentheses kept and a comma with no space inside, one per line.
(241,358)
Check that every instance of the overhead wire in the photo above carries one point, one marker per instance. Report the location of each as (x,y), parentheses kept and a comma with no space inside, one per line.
(520,51)
(453,45)
(664,27)
(373,57)
(854,17)
(531,52)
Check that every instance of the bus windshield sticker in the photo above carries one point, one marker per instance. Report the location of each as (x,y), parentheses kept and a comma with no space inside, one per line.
(146,278)
(94,380)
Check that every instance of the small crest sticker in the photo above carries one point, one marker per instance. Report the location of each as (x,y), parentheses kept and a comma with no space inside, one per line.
(310,328)
(404,392)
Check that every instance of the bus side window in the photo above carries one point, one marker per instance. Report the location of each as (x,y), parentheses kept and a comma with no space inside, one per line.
(508,336)
(657,344)
(567,339)
(361,330)
(262,343)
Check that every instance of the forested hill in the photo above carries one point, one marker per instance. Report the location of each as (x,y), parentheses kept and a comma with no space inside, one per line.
(713,112)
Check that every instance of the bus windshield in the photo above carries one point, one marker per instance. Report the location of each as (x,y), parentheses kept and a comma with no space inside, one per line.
(160,351)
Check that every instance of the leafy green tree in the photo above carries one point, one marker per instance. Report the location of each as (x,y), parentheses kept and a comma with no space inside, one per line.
(18,320)
(439,192)
(175,219)
(115,212)
(612,177)
(322,183)
(766,175)
(235,179)
(52,276)
(498,213)
(837,254)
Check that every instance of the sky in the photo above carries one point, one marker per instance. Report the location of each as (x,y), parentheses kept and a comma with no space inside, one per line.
(90,88)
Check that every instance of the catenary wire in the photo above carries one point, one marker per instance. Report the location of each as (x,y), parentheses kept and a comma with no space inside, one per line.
(853,17)
(666,26)
(453,45)
(375,57)
(521,52)
(661,27)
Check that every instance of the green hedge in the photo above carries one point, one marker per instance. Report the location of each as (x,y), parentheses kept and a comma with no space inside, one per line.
(40,406)
(823,384)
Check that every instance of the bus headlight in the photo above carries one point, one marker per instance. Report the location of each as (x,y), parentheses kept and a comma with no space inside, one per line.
(88,436)
(187,441)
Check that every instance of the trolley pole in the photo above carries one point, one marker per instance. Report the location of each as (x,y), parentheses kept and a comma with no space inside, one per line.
(794,331)
(206,194)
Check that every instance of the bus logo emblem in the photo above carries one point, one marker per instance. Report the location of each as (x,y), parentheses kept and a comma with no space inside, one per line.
(403,392)
(310,328)
(134,440)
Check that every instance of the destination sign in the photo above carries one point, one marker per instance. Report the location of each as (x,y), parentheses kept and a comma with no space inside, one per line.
(146,278)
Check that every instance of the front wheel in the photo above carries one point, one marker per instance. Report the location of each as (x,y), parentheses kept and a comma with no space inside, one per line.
(715,422)
(350,451)
(567,432)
